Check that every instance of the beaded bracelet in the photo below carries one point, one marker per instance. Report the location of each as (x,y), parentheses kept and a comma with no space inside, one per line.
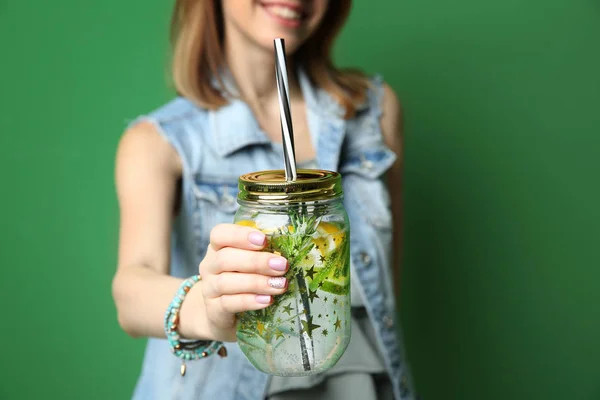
(187,350)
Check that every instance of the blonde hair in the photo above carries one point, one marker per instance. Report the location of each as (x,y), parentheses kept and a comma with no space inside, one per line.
(197,39)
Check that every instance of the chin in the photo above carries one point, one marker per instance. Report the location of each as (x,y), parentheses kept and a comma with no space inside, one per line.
(292,42)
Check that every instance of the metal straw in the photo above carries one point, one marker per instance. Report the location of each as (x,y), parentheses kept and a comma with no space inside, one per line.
(285,112)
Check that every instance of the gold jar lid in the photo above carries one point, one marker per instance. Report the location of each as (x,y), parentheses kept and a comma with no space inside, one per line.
(271,186)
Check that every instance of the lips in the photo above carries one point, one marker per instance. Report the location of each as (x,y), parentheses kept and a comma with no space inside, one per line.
(286,13)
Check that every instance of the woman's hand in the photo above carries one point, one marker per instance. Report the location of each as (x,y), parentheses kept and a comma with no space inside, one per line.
(238,276)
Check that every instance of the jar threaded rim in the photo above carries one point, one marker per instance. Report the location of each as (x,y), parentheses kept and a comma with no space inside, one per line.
(270,186)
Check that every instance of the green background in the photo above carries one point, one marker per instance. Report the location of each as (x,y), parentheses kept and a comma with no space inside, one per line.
(502,101)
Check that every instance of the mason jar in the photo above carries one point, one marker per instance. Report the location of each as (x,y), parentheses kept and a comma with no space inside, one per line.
(306,330)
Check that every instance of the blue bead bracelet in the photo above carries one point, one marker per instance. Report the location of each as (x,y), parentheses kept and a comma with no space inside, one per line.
(187,350)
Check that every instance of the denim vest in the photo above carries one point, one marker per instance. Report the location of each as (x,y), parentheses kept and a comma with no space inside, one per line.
(215,148)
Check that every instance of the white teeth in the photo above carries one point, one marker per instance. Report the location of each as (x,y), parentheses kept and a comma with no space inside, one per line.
(285,12)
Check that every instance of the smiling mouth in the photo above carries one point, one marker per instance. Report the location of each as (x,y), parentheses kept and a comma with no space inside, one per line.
(287,13)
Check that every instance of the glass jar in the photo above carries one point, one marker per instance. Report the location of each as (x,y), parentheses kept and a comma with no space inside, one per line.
(307,329)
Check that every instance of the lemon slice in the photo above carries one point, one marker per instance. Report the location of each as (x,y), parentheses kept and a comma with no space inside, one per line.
(328,228)
(266,230)
(328,237)
(247,222)
(333,275)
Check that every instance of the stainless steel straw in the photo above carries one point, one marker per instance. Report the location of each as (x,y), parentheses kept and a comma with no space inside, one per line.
(285,112)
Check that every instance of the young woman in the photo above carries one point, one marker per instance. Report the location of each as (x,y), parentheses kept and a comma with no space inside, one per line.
(176,177)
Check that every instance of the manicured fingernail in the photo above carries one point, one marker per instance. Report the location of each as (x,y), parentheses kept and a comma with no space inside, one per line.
(257,238)
(277,283)
(278,263)
(263,298)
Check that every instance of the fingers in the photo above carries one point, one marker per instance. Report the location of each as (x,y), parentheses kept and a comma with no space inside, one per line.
(230,259)
(244,302)
(236,275)
(229,283)
(241,237)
